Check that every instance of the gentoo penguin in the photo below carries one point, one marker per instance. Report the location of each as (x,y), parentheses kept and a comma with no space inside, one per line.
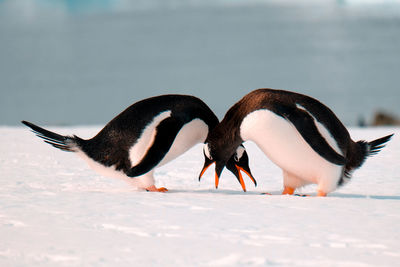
(146,135)
(298,133)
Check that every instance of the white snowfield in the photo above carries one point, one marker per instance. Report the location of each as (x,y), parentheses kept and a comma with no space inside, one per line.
(55,211)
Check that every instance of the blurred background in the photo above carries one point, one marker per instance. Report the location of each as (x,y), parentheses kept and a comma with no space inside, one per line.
(81,62)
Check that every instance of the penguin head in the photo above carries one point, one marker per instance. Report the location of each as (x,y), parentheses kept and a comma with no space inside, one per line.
(238,162)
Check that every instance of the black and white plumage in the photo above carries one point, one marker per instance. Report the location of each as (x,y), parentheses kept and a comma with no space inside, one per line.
(146,135)
(298,133)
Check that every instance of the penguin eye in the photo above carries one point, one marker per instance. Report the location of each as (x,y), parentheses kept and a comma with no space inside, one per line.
(206,150)
(235,157)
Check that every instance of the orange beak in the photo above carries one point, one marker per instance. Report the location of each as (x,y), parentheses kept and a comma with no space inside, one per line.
(241,178)
(206,166)
(204,170)
(216,175)
(248,174)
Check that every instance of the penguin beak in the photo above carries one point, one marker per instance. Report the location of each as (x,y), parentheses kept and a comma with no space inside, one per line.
(247,171)
(207,163)
(219,166)
(236,168)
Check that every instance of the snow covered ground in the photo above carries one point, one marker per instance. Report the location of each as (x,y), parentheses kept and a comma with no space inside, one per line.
(55,211)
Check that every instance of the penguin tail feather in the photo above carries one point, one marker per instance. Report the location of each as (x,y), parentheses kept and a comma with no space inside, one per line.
(65,143)
(362,150)
(367,149)
(375,146)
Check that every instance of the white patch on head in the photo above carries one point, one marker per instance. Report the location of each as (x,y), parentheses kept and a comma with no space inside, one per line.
(189,135)
(239,153)
(206,150)
(146,140)
(284,145)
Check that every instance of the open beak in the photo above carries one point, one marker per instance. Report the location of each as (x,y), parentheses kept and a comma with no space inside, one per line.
(236,169)
(207,164)
(240,178)
(248,172)
(218,170)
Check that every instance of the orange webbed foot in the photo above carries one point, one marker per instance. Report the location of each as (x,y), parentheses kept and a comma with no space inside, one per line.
(153,188)
(288,190)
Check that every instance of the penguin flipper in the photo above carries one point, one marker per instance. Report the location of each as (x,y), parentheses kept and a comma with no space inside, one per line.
(305,125)
(166,132)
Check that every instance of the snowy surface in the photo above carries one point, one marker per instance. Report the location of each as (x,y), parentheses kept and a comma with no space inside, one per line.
(55,211)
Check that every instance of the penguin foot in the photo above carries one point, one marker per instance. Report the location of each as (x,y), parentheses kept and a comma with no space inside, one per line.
(321,193)
(153,188)
(288,190)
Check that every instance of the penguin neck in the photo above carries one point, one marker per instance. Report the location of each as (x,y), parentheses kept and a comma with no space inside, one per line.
(224,139)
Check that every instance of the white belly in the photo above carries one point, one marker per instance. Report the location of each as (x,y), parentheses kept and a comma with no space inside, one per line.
(140,181)
(284,145)
(139,149)
(191,134)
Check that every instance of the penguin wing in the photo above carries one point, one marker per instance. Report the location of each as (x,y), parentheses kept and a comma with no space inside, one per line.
(166,132)
(305,125)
